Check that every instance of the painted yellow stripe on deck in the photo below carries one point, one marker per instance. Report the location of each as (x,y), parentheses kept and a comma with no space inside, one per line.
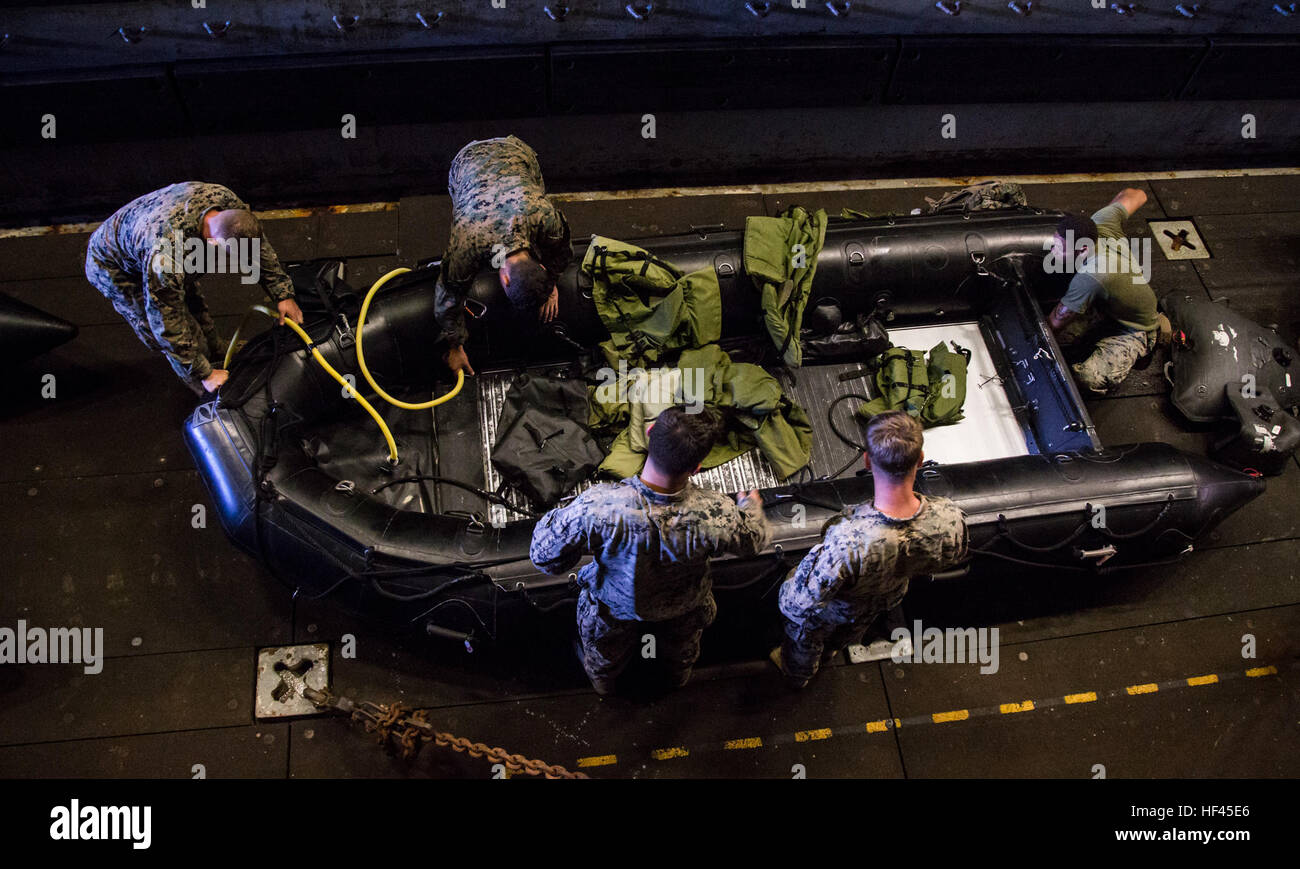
(955,715)
(1012,708)
(1202,680)
(853,184)
(878,726)
(747,742)
(1262,671)
(1085,697)
(351,208)
(848,185)
(598,760)
(810,735)
(670,753)
(1148,688)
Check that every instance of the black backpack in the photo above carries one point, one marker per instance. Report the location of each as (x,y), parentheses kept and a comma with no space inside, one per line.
(543,448)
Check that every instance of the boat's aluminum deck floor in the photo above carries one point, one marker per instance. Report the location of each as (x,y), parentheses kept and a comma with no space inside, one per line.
(989,431)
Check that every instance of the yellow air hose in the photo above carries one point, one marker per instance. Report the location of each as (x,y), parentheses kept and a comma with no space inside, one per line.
(361,360)
(329,369)
(361,356)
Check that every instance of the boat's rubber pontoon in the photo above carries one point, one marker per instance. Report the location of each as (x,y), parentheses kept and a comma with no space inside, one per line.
(299,476)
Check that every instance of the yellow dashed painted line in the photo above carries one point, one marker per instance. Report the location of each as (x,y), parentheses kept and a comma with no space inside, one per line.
(810,735)
(885,724)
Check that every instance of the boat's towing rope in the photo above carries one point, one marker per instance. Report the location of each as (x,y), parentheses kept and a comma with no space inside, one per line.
(405,731)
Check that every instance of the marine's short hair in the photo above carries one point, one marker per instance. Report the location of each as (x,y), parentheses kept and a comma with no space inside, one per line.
(894,441)
(237,223)
(680,439)
(1082,227)
(529,283)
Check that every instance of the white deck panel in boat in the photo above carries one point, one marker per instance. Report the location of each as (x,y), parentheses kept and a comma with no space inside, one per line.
(990,430)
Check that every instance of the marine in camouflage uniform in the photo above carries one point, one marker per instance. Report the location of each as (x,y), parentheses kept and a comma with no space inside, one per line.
(499,206)
(159,301)
(860,570)
(650,572)
(1113,307)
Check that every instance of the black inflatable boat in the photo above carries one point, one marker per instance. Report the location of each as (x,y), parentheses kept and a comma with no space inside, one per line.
(298,475)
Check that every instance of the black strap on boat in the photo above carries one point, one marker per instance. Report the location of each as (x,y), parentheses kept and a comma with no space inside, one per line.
(1074,568)
(326,299)
(779,567)
(482,493)
(268,442)
(379,589)
(1004,531)
(1114,535)
(799,494)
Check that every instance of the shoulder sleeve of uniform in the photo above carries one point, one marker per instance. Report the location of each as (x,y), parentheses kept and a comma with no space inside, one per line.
(1110,220)
(955,534)
(449,311)
(824,571)
(553,239)
(1082,291)
(747,530)
(562,536)
(274,279)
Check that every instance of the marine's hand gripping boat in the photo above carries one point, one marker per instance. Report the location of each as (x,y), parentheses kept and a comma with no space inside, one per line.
(299,475)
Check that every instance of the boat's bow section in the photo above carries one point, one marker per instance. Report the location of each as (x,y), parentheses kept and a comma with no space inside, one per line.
(26,331)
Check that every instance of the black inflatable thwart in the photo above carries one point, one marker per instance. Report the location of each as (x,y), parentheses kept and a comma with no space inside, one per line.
(26,331)
(395,552)
(1216,351)
(1263,436)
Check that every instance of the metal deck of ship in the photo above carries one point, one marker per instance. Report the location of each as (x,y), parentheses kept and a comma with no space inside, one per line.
(97,496)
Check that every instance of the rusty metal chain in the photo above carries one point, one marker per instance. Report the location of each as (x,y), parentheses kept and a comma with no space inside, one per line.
(406,731)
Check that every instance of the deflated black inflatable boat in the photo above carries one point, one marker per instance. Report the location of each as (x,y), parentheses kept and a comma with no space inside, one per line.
(298,477)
